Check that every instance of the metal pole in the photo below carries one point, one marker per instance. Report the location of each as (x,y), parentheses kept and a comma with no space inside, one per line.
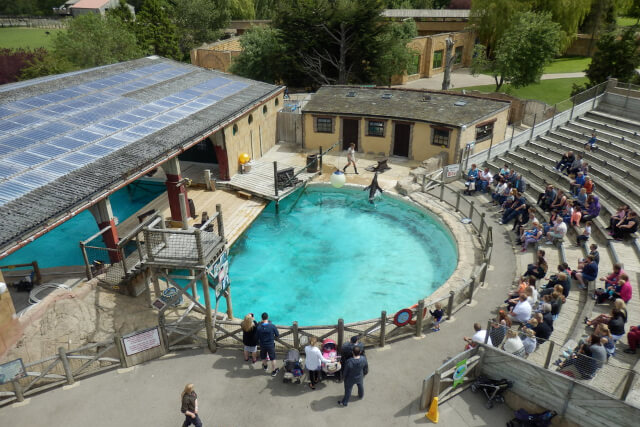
(486,336)
(220,221)
(227,297)
(472,287)
(275,176)
(86,261)
(490,145)
(17,389)
(555,110)
(383,328)
(626,99)
(535,118)
(65,364)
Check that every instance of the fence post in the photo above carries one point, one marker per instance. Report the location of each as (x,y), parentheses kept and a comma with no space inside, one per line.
(86,261)
(17,389)
(199,250)
(65,365)
(220,221)
(275,176)
(458,202)
(320,159)
(340,332)
(472,287)
(535,119)
(547,361)
(471,209)
(483,273)
(450,304)
(441,190)
(573,104)
(513,131)
(482,215)
(296,336)
(555,111)
(626,100)
(420,318)
(628,384)
(121,354)
(424,181)
(593,105)
(383,328)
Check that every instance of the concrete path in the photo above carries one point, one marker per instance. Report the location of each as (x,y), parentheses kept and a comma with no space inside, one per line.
(235,393)
(462,77)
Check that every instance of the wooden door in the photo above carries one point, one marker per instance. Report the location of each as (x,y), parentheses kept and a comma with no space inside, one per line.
(402,134)
(349,132)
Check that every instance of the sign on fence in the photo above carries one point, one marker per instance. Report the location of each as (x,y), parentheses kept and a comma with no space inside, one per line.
(450,172)
(140,341)
(12,371)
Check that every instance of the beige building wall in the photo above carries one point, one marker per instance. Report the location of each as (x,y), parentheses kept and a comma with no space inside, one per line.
(9,326)
(217,56)
(255,132)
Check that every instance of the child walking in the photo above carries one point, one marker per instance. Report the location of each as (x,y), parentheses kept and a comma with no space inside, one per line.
(437,315)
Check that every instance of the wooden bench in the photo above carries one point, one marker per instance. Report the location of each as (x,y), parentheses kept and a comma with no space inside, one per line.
(244,194)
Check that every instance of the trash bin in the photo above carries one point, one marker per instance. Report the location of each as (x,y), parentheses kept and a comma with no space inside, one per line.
(246,168)
(312,163)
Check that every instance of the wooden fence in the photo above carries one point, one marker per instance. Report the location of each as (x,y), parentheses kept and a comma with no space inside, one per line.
(33,21)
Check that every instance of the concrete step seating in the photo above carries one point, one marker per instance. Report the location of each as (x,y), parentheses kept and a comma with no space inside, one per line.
(586,125)
(620,124)
(613,148)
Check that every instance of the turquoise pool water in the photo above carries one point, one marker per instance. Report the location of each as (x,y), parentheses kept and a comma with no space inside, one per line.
(60,246)
(330,254)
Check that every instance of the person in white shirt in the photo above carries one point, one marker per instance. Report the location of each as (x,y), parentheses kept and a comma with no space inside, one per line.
(486,178)
(513,344)
(558,232)
(351,158)
(522,311)
(478,337)
(313,362)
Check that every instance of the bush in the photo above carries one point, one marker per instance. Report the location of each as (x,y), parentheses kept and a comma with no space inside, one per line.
(14,61)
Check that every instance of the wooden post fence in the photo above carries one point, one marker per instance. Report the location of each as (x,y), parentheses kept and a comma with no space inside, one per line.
(450,305)
(275,177)
(458,202)
(340,333)
(65,364)
(219,220)
(471,203)
(472,287)
(296,336)
(17,389)
(547,361)
(420,318)
(383,328)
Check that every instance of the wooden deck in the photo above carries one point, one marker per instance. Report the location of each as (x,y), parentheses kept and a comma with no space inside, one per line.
(260,180)
(237,212)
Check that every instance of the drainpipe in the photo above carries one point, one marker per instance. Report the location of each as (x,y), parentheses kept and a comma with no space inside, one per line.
(460,130)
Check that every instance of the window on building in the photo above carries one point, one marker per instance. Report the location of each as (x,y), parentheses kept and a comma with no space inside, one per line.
(484,132)
(440,137)
(414,65)
(235,129)
(264,109)
(437,59)
(457,59)
(324,125)
(250,118)
(375,128)
(277,101)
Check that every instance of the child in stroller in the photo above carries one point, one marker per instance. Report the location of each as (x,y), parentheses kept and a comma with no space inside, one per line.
(292,367)
(330,351)
(493,389)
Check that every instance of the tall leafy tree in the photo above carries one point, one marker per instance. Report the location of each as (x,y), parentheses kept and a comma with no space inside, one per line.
(156,33)
(242,9)
(394,57)
(91,40)
(570,14)
(262,49)
(122,12)
(200,21)
(529,44)
(617,56)
(491,18)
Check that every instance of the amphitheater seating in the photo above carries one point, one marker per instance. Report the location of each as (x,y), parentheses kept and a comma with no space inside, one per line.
(615,169)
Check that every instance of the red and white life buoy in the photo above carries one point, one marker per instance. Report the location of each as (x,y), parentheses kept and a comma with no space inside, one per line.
(402,317)
(415,319)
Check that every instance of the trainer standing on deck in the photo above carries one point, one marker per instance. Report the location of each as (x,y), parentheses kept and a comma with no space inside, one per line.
(355,370)
(351,157)
(190,407)
(267,334)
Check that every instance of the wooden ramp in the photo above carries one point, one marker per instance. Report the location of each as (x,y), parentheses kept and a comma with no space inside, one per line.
(260,180)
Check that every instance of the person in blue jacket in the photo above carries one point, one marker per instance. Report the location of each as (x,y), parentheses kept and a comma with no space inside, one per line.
(355,370)
(267,334)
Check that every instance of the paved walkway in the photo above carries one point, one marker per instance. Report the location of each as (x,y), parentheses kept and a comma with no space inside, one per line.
(233,393)
(462,77)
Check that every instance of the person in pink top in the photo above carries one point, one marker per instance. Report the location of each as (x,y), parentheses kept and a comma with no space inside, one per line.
(623,290)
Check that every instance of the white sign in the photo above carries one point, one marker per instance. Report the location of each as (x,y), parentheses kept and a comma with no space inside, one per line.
(11,371)
(141,341)
(451,171)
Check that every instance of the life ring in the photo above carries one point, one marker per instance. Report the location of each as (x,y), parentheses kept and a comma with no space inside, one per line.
(402,317)
(415,319)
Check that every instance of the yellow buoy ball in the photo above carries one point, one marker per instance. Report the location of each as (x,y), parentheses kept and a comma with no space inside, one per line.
(244,158)
(338,179)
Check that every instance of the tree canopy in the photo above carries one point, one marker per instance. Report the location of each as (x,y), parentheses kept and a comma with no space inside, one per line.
(491,18)
(262,49)
(200,21)
(156,33)
(527,46)
(617,56)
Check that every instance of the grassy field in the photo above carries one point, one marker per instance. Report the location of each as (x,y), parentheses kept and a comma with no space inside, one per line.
(26,37)
(549,91)
(574,64)
(625,21)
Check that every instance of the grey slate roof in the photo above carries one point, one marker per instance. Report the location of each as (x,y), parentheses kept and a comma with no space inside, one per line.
(403,104)
(33,211)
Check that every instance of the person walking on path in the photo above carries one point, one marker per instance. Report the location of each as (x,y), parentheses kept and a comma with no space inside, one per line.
(351,158)
(190,407)
(267,334)
(250,338)
(355,370)
(313,362)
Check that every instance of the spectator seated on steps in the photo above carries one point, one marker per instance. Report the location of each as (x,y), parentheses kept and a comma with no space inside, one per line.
(584,363)
(565,162)
(576,214)
(606,339)
(618,307)
(592,208)
(633,338)
(558,231)
(520,183)
(620,214)
(547,198)
(589,185)
(485,178)
(626,226)
(529,341)
(523,218)
(588,273)
(576,166)
(513,344)
(540,268)
(504,171)
(533,235)
(478,337)
(521,312)
(577,183)
(591,144)
(593,251)
(516,208)
(472,180)
(560,278)
(581,198)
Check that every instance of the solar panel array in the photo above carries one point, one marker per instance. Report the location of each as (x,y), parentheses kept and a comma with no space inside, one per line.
(47,136)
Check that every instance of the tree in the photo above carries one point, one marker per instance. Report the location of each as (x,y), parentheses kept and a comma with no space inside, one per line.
(14,61)
(122,12)
(394,57)
(262,50)
(570,14)
(617,56)
(46,65)
(92,40)
(529,44)
(200,21)
(491,18)
(242,9)
(156,33)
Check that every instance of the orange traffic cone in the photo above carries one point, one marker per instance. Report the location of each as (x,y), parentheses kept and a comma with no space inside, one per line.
(433,411)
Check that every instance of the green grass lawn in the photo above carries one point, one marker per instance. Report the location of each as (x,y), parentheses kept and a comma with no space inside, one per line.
(26,37)
(574,64)
(625,21)
(549,91)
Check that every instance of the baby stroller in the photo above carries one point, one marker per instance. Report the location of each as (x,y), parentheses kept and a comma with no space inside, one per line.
(292,367)
(493,389)
(525,419)
(330,351)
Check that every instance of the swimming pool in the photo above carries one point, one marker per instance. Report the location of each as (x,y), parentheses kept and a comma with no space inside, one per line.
(330,254)
(60,246)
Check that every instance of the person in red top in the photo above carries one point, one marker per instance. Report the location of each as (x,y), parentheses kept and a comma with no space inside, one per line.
(588,185)
(623,290)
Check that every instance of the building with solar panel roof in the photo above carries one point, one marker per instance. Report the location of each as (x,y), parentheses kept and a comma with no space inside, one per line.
(67,142)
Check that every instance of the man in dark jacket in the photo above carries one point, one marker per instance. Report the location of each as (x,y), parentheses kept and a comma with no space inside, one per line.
(354,372)
(267,334)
